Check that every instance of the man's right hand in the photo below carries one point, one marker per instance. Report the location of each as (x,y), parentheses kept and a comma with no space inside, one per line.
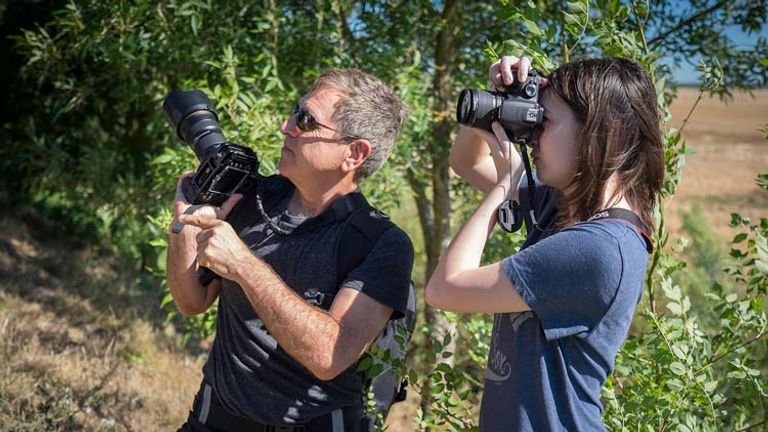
(182,206)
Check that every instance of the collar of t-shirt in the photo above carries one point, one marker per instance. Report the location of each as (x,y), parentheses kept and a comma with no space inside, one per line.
(339,210)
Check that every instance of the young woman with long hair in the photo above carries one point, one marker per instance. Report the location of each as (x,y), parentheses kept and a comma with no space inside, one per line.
(564,303)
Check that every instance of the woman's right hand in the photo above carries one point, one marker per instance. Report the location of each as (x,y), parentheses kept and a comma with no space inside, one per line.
(507,69)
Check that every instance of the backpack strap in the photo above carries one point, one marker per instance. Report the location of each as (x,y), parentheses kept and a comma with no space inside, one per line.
(362,229)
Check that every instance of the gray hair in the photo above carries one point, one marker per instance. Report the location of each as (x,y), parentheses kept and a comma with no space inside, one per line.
(370,110)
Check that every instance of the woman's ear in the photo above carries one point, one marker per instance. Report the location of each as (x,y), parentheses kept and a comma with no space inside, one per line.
(359,150)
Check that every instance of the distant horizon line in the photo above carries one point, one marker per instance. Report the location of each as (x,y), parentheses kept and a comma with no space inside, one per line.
(697,85)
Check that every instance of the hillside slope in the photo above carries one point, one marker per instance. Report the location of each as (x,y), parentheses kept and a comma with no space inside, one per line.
(82,345)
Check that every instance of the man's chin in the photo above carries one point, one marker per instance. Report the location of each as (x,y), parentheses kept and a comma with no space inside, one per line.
(282,167)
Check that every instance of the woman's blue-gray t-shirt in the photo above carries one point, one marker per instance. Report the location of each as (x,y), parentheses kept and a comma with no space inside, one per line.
(546,366)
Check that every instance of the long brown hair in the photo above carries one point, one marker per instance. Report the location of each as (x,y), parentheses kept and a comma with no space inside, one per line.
(615,101)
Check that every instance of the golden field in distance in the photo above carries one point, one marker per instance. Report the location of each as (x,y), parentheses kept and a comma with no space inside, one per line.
(728,151)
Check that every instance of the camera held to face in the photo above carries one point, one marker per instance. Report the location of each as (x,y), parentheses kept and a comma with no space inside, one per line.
(516,108)
(225,168)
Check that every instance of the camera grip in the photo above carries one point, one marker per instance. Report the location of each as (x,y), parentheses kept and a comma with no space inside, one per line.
(189,190)
(207,276)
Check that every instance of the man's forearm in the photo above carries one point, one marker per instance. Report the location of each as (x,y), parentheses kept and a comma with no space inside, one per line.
(191,298)
(310,335)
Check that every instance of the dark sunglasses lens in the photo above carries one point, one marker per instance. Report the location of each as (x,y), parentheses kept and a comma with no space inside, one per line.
(304,120)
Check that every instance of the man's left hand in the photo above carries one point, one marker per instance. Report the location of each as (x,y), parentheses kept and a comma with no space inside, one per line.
(218,246)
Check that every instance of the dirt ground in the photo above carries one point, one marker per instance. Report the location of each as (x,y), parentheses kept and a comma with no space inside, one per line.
(729,150)
(82,346)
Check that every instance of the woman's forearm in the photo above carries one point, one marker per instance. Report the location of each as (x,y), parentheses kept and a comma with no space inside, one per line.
(466,249)
(471,159)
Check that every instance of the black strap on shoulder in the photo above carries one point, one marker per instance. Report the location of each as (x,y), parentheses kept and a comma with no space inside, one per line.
(627,216)
(363,228)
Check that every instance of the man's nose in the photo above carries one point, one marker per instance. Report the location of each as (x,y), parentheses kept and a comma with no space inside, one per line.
(289,127)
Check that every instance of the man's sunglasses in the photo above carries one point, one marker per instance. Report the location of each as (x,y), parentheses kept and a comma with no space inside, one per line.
(307,123)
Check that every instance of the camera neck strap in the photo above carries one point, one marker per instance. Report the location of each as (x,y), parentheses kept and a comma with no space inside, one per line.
(339,210)
(508,215)
(628,216)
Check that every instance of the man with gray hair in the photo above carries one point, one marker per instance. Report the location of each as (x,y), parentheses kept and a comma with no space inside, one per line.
(291,323)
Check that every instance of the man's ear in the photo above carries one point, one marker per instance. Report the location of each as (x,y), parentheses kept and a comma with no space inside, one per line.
(359,150)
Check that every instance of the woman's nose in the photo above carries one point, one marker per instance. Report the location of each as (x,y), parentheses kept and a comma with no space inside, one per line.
(536,135)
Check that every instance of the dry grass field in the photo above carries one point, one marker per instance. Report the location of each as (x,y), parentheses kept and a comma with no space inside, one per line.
(80,347)
(81,350)
(729,151)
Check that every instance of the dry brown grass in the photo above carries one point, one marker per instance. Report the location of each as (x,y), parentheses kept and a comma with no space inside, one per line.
(79,348)
(729,152)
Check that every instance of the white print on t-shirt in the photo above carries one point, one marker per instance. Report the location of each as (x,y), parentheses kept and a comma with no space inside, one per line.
(518,318)
(499,369)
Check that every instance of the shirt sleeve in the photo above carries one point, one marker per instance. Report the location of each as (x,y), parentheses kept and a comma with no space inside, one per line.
(385,274)
(568,279)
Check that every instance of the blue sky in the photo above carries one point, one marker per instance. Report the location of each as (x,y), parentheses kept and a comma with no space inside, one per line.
(687,74)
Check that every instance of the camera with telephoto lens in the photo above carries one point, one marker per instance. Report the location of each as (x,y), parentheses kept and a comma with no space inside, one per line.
(225,168)
(516,108)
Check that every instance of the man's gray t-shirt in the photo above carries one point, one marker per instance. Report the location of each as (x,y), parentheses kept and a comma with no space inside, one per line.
(248,370)
(546,366)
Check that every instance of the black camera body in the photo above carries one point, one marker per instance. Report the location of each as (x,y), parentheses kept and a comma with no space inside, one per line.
(516,108)
(225,168)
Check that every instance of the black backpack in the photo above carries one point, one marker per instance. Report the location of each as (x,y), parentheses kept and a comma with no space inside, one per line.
(363,226)
(381,384)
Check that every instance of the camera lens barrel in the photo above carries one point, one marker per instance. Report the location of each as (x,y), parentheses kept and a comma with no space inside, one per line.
(517,108)
(478,108)
(193,117)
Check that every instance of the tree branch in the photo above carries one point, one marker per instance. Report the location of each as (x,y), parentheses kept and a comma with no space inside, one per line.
(564,51)
(346,32)
(753,426)
(685,23)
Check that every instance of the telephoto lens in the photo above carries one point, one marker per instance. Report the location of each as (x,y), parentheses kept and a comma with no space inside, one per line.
(225,168)
(194,119)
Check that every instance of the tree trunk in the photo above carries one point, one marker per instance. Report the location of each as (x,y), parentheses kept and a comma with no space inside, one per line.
(437,233)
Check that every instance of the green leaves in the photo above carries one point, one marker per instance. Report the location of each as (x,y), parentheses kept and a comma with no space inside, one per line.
(576,18)
(708,361)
